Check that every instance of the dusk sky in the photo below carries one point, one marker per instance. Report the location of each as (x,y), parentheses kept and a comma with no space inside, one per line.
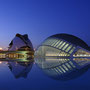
(43,18)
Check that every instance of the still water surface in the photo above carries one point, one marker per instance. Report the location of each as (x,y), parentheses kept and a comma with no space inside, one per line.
(24,76)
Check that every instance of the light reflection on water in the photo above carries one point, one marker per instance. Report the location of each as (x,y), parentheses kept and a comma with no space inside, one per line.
(36,79)
(18,68)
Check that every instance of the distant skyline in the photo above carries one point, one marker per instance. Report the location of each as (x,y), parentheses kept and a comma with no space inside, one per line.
(43,18)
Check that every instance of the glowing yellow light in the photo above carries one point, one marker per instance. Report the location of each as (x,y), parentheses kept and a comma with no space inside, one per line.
(1,49)
(0,62)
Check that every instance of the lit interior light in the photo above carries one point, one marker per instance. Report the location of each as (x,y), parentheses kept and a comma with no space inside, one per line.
(1,48)
(0,62)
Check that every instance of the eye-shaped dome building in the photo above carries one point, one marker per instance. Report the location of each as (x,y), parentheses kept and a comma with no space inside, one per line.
(63,56)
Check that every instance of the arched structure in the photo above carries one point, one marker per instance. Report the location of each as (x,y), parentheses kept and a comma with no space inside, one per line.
(61,55)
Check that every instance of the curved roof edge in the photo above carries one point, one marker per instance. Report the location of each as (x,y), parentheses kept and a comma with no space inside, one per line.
(72,39)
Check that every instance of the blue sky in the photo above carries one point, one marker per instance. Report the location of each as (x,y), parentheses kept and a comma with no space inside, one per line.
(42,18)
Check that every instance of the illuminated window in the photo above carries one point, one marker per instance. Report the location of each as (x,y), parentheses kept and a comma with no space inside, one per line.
(81,53)
(72,64)
(68,48)
(68,66)
(62,69)
(59,70)
(59,44)
(56,43)
(72,50)
(65,67)
(65,47)
(62,45)
(56,70)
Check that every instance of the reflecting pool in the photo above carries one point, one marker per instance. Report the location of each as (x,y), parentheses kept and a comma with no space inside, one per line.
(25,75)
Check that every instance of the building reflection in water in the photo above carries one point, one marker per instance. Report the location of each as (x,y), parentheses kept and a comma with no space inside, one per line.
(19,68)
(63,56)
